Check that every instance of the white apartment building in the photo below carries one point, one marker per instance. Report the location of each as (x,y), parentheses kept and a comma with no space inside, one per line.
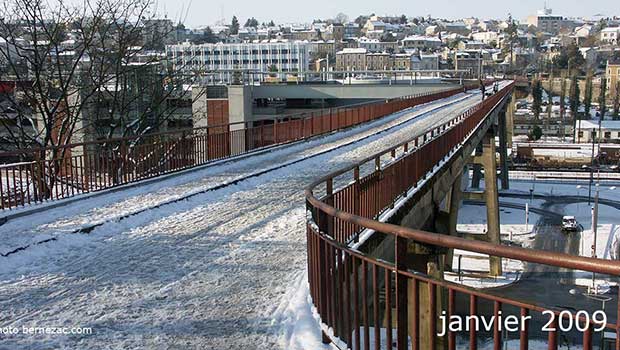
(219,60)
(610,35)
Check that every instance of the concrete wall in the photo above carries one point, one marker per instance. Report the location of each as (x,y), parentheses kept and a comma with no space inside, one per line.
(240,104)
(370,91)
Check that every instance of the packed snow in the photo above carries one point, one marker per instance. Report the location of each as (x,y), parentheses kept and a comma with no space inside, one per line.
(199,269)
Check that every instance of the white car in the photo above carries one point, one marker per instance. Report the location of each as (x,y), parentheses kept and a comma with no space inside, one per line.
(569,223)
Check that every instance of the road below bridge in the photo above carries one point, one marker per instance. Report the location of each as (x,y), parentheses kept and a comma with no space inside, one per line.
(207,259)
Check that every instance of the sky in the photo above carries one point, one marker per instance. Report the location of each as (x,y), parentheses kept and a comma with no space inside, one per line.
(207,12)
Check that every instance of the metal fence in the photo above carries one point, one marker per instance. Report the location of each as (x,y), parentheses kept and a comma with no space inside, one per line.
(45,174)
(363,300)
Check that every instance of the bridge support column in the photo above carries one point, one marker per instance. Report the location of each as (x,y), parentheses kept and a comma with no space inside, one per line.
(491,198)
(488,161)
(510,113)
(503,149)
(454,203)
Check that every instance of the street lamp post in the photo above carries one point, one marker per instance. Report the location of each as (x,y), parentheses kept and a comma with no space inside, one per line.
(595,224)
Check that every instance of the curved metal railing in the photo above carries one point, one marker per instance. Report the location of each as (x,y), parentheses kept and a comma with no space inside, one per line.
(358,296)
(37,175)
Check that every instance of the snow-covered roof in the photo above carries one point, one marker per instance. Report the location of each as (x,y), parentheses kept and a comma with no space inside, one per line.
(421,37)
(611,30)
(605,124)
(352,50)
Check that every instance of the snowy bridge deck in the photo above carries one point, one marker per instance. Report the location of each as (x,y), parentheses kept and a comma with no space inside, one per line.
(213,258)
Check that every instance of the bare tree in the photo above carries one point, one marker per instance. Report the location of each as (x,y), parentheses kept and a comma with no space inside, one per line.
(85,74)
(341,18)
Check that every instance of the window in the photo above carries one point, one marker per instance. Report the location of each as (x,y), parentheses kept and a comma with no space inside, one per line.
(607,134)
(580,134)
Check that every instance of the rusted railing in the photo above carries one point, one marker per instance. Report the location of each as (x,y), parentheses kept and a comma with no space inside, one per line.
(38,175)
(358,296)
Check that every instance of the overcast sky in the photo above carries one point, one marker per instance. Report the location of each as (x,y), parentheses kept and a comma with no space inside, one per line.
(206,12)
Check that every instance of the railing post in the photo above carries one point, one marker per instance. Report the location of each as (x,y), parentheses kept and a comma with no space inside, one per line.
(329,191)
(523,336)
(401,295)
(473,311)
(358,197)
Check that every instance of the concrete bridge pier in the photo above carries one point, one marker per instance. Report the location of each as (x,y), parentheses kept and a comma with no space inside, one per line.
(488,161)
(503,147)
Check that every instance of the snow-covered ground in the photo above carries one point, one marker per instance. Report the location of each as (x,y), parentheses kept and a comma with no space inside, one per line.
(474,267)
(219,269)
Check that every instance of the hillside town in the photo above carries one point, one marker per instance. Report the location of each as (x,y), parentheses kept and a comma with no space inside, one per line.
(186,63)
(376,181)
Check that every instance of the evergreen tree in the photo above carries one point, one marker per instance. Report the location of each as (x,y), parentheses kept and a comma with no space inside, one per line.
(602,101)
(587,99)
(574,102)
(512,34)
(234,26)
(617,101)
(251,23)
(537,95)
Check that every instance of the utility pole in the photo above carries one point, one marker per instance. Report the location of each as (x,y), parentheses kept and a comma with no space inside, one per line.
(591,167)
(594,232)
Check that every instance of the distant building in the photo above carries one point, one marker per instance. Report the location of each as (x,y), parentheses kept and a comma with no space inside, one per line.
(378,61)
(376,45)
(610,35)
(545,21)
(469,60)
(456,27)
(471,45)
(429,62)
(223,59)
(584,31)
(486,37)
(322,49)
(587,131)
(336,32)
(612,73)
(421,43)
(403,61)
(351,59)
(351,30)
(375,25)
(590,55)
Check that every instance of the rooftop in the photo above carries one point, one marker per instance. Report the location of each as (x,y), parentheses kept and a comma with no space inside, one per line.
(605,124)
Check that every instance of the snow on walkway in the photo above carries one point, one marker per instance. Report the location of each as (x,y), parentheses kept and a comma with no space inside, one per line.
(110,206)
(214,271)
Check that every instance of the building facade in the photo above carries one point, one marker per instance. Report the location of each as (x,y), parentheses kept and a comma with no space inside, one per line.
(545,21)
(612,73)
(421,43)
(610,35)
(281,57)
(587,131)
(351,59)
